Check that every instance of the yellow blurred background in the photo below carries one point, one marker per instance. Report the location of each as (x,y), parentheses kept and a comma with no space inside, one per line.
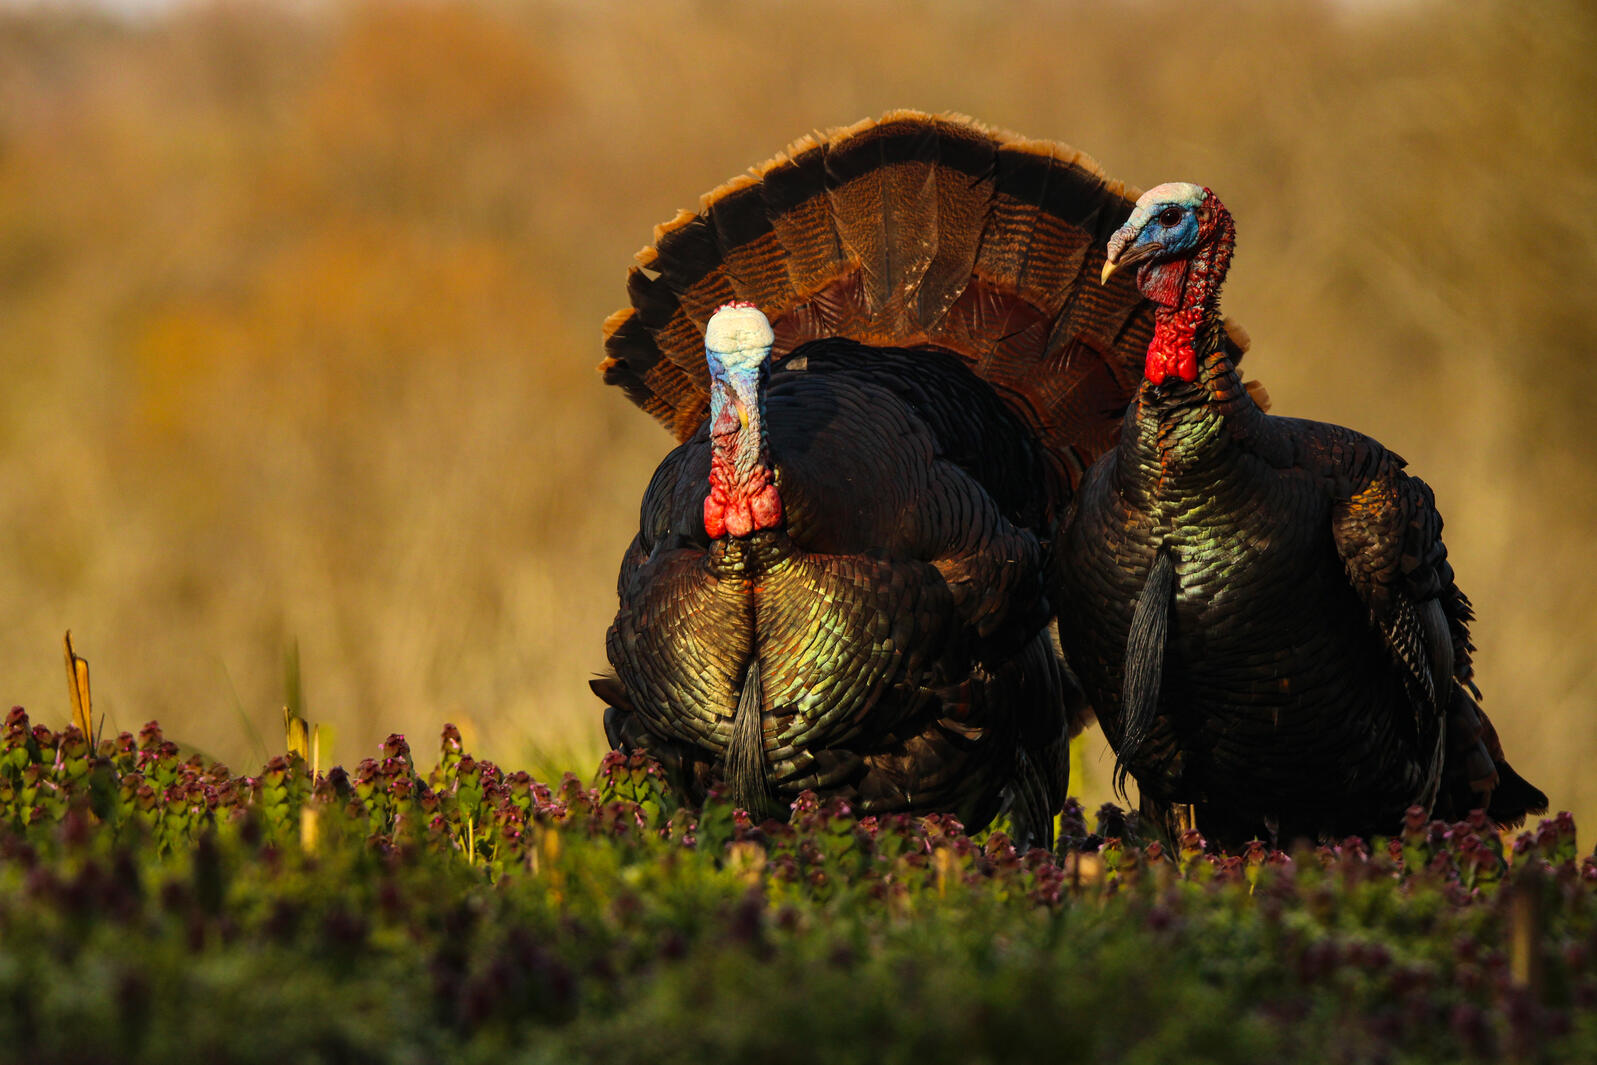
(300,305)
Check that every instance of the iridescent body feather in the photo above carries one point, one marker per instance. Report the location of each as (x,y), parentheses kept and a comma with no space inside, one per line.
(1308,669)
(944,366)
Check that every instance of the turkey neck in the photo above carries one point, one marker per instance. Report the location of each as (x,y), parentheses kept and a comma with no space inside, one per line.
(743,498)
(1192,405)
(1186,294)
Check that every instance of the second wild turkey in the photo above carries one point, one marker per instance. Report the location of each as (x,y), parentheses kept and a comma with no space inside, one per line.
(1260,608)
(837,579)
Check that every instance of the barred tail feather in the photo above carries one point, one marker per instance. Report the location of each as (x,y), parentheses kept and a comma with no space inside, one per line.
(907,230)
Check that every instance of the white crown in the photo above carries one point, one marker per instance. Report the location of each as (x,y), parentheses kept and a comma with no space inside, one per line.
(738,333)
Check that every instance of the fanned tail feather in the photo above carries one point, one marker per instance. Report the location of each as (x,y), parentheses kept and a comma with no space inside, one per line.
(905,231)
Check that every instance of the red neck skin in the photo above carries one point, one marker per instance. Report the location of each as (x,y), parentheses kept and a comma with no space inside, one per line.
(1186,291)
(743,497)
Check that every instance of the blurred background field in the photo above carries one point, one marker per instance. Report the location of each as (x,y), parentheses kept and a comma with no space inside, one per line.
(300,305)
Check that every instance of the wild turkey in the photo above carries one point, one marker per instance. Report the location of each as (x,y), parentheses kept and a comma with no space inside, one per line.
(1260,608)
(837,579)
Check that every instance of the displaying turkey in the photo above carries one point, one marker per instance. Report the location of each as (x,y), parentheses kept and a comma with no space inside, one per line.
(837,579)
(1260,608)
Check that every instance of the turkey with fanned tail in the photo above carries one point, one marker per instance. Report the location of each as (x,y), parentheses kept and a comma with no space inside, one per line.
(1260,609)
(888,360)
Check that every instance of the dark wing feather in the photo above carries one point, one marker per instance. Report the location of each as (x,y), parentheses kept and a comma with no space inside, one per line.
(1389,534)
(901,636)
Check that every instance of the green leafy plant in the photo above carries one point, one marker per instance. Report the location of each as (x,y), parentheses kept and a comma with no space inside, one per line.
(155,907)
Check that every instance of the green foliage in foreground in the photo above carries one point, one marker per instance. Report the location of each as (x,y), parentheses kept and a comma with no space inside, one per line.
(160,909)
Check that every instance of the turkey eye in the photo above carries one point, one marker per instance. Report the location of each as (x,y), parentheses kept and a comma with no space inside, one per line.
(1169,216)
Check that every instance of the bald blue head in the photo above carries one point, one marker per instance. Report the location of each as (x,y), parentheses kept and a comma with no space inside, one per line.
(1164,225)
(743,497)
(1180,236)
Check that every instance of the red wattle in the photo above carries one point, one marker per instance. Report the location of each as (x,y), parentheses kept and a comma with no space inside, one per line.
(1183,291)
(1171,353)
(738,520)
(714,517)
(1153,368)
(736,510)
(766,508)
(742,497)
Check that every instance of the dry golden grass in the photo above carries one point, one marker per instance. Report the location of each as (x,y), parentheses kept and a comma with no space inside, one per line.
(299,314)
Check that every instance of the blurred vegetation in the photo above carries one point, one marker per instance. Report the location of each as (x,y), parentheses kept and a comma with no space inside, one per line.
(299,311)
(156,908)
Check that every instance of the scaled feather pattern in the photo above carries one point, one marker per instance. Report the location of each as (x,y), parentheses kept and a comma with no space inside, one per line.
(1311,675)
(943,368)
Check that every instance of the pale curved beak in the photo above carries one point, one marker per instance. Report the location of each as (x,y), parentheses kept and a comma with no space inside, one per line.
(1123,253)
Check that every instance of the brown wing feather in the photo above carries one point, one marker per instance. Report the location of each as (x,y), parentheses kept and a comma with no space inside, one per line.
(1389,535)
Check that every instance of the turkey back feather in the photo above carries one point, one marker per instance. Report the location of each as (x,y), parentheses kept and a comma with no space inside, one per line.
(911,230)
